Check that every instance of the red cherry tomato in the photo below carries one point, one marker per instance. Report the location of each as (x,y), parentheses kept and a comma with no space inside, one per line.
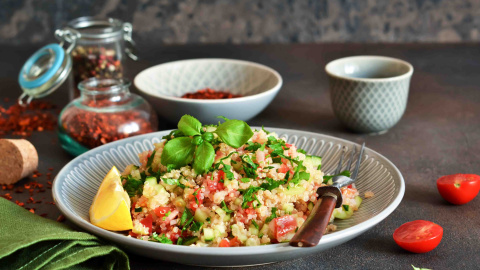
(418,236)
(459,188)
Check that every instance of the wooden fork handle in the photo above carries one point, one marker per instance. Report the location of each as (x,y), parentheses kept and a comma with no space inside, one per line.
(314,227)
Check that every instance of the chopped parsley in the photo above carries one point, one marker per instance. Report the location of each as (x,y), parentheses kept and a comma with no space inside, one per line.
(245,180)
(133,186)
(248,195)
(170,181)
(138,209)
(272,216)
(225,207)
(162,238)
(255,224)
(150,159)
(272,184)
(346,207)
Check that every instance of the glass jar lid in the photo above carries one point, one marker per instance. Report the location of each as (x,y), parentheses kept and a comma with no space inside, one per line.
(44,72)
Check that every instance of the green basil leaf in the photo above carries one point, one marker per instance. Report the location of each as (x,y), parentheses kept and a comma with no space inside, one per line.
(178,152)
(235,133)
(204,157)
(189,125)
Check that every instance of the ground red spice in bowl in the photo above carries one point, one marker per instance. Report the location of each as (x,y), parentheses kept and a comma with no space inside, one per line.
(209,93)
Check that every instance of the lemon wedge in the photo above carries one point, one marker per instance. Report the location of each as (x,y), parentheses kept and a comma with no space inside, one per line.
(110,209)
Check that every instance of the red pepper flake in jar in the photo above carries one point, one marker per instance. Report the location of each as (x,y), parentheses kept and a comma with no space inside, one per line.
(105,112)
(209,93)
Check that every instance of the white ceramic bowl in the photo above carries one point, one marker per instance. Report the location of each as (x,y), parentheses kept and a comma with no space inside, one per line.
(163,85)
(77,183)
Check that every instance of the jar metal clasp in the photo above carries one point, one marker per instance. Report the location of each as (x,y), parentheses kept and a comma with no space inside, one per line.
(130,47)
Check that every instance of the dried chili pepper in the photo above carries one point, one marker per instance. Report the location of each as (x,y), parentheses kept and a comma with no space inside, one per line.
(208,93)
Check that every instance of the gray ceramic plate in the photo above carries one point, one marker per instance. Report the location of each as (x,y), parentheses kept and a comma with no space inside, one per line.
(77,183)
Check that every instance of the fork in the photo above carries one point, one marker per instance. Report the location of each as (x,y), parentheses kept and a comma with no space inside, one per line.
(314,227)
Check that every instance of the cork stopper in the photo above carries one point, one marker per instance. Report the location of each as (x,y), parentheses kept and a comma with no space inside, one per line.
(18,159)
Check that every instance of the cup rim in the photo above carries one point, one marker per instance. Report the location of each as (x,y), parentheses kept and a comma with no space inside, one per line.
(409,73)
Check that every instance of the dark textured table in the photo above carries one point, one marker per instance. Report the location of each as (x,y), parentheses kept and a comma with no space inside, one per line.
(438,135)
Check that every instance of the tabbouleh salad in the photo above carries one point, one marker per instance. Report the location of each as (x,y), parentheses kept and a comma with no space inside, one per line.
(224,186)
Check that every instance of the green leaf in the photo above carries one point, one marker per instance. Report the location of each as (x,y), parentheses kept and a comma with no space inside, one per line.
(150,159)
(178,152)
(272,216)
(235,133)
(346,207)
(196,226)
(255,224)
(133,186)
(223,117)
(170,181)
(225,208)
(272,184)
(204,158)
(245,180)
(328,177)
(189,125)
(162,238)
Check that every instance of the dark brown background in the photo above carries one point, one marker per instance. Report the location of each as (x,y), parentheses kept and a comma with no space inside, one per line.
(438,135)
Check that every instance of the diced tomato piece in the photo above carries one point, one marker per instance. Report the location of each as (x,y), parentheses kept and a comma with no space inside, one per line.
(283,169)
(235,242)
(288,145)
(195,203)
(224,243)
(213,185)
(284,225)
(132,234)
(221,175)
(162,211)
(147,222)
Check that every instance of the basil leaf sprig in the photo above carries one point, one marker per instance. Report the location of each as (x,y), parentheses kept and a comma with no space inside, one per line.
(190,143)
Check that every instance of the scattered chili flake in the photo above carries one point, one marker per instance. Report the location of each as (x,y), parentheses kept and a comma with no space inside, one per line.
(32,210)
(44,215)
(52,203)
(209,93)
(7,196)
(61,218)
(50,169)
(19,190)
(20,203)
(23,121)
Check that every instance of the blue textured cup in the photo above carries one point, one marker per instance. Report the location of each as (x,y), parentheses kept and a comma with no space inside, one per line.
(369,93)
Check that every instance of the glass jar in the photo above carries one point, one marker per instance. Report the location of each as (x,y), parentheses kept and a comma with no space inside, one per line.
(105,111)
(99,49)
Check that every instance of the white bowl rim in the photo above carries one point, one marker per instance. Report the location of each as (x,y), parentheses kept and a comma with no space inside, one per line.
(233,251)
(230,100)
(328,68)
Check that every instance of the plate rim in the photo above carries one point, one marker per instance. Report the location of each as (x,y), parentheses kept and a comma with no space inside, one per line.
(233,251)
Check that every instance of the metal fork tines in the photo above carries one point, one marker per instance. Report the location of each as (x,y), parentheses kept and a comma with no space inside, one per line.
(342,180)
